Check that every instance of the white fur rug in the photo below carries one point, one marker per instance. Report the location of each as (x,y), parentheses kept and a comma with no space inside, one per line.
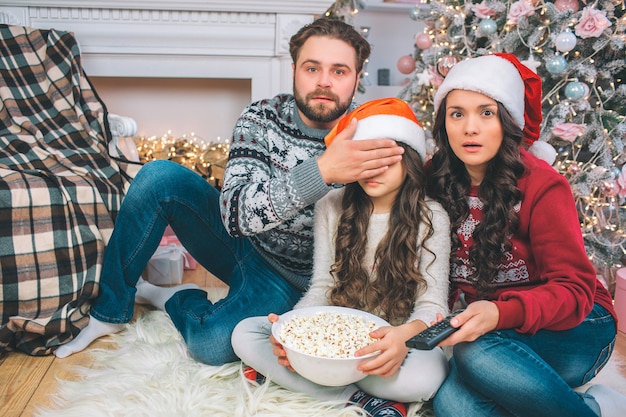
(152,375)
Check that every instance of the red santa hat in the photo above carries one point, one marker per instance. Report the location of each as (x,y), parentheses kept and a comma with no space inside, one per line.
(384,118)
(505,79)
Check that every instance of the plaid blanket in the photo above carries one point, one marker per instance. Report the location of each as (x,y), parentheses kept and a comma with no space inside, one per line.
(59,190)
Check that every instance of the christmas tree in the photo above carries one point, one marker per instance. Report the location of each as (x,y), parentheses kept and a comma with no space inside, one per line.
(344,10)
(578,48)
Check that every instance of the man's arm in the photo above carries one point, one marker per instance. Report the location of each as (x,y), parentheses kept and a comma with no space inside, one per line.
(272,175)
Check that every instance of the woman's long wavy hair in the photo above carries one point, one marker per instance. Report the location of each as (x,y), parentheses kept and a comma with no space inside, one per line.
(449,183)
(392,291)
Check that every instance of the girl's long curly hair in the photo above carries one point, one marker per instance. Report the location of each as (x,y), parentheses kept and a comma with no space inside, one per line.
(393,290)
(449,184)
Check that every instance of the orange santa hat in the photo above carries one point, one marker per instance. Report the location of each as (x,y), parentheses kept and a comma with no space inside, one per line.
(384,118)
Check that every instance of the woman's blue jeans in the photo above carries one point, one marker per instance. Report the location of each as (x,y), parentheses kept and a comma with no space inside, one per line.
(165,193)
(505,373)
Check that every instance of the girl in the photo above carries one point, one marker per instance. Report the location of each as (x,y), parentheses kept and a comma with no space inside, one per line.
(538,321)
(382,246)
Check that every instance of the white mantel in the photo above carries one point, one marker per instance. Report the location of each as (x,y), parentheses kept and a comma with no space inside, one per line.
(245,6)
(232,39)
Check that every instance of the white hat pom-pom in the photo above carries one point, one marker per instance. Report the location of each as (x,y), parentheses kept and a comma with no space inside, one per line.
(543,150)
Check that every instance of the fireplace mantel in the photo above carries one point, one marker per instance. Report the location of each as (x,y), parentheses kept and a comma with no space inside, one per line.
(231,39)
(244,6)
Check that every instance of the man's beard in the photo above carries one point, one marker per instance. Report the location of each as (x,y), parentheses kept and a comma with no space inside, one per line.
(321,113)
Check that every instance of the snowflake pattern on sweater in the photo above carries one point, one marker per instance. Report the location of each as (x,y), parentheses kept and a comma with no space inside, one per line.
(271,184)
(512,271)
(550,282)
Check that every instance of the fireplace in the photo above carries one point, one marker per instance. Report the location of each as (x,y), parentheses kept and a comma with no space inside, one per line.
(203,59)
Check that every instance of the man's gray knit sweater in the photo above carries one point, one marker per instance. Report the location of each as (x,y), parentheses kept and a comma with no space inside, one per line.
(271,184)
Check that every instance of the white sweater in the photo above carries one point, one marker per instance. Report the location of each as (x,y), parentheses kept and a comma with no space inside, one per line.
(434,300)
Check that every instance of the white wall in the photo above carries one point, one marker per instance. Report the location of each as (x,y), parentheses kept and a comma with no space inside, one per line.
(206,107)
(392,35)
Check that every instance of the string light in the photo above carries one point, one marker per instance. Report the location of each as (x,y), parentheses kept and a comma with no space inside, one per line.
(206,158)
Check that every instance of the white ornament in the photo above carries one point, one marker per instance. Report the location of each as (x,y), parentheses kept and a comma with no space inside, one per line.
(565,41)
(532,63)
(424,78)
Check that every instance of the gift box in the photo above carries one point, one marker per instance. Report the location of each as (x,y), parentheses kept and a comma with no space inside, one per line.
(169,261)
(169,238)
(166,265)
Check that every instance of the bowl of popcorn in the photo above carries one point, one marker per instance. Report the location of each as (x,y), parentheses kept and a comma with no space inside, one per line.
(320,342)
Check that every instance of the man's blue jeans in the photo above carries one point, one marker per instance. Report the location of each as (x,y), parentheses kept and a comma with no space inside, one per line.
(165,193)
(504,373)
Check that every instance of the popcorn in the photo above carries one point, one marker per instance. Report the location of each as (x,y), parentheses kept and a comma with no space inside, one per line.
(327,334)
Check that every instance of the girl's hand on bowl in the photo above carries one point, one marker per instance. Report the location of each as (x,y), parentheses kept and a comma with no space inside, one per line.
(392,348)
(277,348)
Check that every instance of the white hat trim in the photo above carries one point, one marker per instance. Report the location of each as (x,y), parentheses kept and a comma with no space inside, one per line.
(394,127)
(490,75)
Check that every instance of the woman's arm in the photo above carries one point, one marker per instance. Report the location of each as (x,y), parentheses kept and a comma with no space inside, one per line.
(560,293)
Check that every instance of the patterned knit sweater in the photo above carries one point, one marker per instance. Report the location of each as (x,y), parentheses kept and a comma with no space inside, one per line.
(434,265)
(271,184)
(546,280)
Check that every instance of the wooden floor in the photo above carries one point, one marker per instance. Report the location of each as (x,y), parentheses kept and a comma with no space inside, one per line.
(26,381)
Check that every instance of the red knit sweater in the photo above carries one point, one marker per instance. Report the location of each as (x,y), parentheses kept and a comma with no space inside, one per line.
(547,280)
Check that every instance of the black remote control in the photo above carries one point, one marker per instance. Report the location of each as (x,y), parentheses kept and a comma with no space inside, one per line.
(429,338)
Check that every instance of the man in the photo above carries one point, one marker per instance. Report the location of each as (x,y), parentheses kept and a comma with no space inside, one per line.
(257,235)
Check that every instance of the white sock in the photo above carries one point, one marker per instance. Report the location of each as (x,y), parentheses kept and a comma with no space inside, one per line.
(94,330)
(156,296)
(612,403)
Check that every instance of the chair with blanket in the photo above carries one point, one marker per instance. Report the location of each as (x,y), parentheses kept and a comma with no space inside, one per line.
(59,189)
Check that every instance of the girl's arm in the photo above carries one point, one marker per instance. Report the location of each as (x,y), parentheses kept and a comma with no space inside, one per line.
(327,212)
(435,268)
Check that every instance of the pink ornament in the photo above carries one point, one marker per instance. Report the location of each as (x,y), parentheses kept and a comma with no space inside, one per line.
(423,41)
(563,5)
(568,131)
(446,63)
(437,78)
(609,189)
(592,23)
(406,64)
(574,169)
(519,9)
(482,10)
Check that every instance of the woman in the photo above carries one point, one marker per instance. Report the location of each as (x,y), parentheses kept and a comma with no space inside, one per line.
(381,246)
(538,322)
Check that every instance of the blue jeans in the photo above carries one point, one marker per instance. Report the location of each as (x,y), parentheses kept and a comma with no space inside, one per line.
(505,373)
(165,193)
